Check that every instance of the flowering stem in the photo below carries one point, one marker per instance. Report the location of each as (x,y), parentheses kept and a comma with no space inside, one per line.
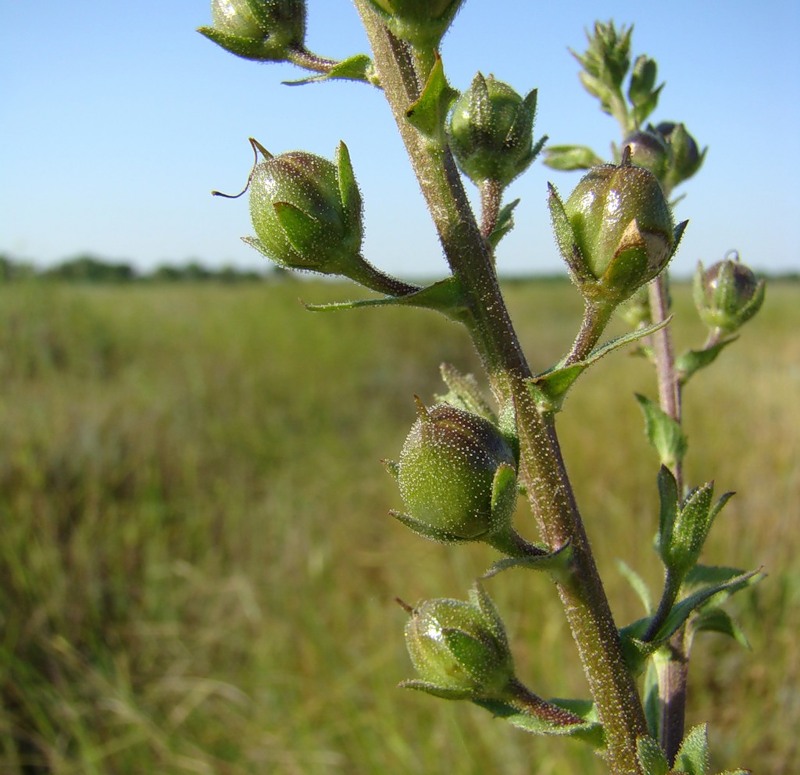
(491,197)
(595,318)
(542,469)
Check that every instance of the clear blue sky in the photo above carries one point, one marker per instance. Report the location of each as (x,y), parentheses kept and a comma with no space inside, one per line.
(118,119)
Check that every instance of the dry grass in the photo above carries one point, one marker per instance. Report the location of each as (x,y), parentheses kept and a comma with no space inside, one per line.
(197,571)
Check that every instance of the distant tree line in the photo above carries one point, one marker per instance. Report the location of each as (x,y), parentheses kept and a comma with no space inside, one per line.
(88,268)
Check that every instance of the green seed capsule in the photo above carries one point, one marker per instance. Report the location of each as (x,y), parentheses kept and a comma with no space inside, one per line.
(447,472)
(459,649)
(420,22)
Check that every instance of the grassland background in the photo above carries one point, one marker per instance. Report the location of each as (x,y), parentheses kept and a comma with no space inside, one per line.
(197,569)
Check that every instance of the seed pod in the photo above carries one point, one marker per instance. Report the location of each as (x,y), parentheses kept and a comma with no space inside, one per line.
(306,212)
(727,294)
(459,649)
(615,231)
(263,30)
(457,476)
(491,131)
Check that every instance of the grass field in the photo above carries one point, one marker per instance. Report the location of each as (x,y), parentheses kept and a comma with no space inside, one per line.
(197,569)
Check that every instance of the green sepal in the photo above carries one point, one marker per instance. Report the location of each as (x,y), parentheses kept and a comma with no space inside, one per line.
(651,698)
(504,495)
(298,226)
(479,597)
(425,530)
(558,563)
(566,239)
(445,296)
(549,389)
(571,157)
(358,67)
(693,756)
(691,361)
(663,432)
(464,393)
(428,113)
(258,49)
(466,648)
(504,223)
(433,689)
(637,584)
(590,731)
(651,758)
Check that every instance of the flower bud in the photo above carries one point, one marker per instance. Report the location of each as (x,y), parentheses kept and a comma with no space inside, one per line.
(615,231)
(420,22)
(727,294)
(491,131)
(264,30)
(459,649)
(306,212)
(687,158)
(649,149)
(451,467)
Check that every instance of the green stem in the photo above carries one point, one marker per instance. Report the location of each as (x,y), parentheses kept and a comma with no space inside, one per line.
(595,319)
(491,198)
(542,469)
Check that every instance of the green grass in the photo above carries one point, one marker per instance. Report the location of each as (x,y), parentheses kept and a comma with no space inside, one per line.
(197,569)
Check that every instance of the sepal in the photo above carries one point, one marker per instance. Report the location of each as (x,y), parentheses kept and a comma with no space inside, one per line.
(430,110)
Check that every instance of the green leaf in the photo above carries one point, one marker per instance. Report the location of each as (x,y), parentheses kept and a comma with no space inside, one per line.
(693,756)
(571,157)
(682,610)
(590,731)
(355,68)
(668,511)
(691,361)
(663,432)
(710,575)
(444,296)
(638,584)
(651,758)
(428,113)
(549,389)
(504,223)
(557,562)
(719,620)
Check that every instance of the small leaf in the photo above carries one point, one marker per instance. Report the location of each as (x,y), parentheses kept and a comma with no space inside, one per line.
(444,296)
(719,620)
(693,756)
(504,223)
(428,113)
(691,361)
(668,511)
(590,731)
(651,758)
(557,562)
(465,393)
(664,433)
(571,157)
(682,610)
(355,68)
(638,584)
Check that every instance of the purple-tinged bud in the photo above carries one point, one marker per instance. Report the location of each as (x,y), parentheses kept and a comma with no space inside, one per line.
(263,30)
(687,158)
(615,231)
(727,294)
(649,150)
(491,131)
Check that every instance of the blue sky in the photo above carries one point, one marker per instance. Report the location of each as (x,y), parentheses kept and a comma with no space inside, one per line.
(118,119)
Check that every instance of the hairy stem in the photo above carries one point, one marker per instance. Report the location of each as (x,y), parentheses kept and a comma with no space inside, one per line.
(542,468)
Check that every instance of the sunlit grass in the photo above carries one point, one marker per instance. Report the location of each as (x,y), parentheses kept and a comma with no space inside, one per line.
(197,569)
